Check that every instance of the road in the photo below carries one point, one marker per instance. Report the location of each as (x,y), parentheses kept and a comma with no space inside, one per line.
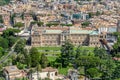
(10,52)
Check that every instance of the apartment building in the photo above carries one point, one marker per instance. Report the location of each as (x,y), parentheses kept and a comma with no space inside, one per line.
(56,36)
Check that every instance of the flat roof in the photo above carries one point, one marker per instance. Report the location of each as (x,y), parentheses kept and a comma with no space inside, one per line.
(53,31)
(80,31)
(94,33)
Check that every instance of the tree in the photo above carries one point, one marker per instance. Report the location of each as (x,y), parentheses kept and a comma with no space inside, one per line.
(98,13)
(19,47)
(117,55)
(67,53)
(13,57)
(93,73)
(1,52)
(115,47)
(28,61)
(44,61)
(91,14)
(40,23)
(35,57)
(108,67)
(50,24)
(3,42)
(116,73)
(2,78)
(11,40)
(22,16)
(9,32)
(1,67)
(4,2)
(33,22)
(100,52)
(12,17)
(66,24)
(85,23)
(96,50)
(18,24)
(79,51)
(38,69)
(20,58)
(88,62)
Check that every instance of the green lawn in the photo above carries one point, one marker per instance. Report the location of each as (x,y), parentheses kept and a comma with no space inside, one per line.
(49,48)
(87,48)
(58,48)
(49,52)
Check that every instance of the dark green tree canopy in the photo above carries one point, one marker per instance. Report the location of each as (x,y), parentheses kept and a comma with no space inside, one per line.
(44,61)
(100,52)
(116,73)
(10,32)
(67,53)
(18,24)
(35,57)
(3,43)
(19,47)
(93,72)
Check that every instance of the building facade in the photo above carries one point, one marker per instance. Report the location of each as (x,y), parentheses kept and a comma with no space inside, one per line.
(12,72)
(48,72)
(41,36)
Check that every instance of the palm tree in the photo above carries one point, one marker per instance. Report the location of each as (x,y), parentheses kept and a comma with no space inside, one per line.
(38,69)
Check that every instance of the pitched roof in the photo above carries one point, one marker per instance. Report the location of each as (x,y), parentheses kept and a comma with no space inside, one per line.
(49,69)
